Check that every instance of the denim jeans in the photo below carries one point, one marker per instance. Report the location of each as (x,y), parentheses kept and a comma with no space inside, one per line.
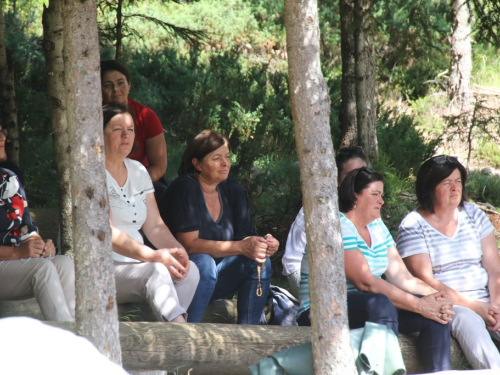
(222,278)
(433,343)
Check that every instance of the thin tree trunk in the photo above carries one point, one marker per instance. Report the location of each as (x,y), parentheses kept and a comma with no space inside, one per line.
(96,313)
(365,79)
(3,62)
(8,96)
(461,55)
(348,115)
(310,105)
(53,43)
(119,25)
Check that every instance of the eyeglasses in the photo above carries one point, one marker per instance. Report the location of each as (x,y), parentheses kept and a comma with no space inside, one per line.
(442,159)
(4,132)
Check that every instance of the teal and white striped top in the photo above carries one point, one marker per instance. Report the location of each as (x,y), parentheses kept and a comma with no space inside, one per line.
(376,255)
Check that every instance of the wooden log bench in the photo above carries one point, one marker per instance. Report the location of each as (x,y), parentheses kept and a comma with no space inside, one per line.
(210,347)
(220,349)
(214,347)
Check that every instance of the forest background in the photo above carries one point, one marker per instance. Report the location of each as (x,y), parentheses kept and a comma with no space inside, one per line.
(232,76)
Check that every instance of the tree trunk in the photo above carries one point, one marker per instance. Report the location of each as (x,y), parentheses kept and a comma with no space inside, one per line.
(365,79)
(348,115)
(3,62)
(310,105)
(119,25)
(461,60)
(53,42)
(8,97)
(96,313)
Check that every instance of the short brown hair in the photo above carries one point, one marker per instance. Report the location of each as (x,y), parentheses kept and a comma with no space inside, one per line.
(107,65)
(200,146)
(113,109)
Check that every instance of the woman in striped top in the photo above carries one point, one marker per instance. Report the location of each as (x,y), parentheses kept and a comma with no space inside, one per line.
(450,244)
(370,252)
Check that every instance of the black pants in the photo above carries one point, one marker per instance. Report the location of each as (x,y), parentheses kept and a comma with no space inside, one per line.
(433,343)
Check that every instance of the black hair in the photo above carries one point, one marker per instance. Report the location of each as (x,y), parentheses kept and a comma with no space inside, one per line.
(431,173)
(200,146)
(348,153)
(354,183)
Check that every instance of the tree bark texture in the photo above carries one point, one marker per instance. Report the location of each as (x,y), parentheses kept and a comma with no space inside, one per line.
(365,79)
(310,105)
(348,114)
(8,96)
(461,55)
(53,43)
(96,312)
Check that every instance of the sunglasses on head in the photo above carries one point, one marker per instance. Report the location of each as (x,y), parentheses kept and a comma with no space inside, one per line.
(365,169)
(442,159)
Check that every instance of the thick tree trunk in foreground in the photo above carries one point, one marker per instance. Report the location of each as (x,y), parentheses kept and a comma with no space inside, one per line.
(348,114)
(310,105)
(96,313)
(461,55)
(365,79)
(8,96)
(53,42)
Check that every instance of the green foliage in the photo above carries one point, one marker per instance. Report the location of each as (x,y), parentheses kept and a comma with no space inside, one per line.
(402,144)
(274,194)
(39,171)
(398,191)
(413,43)
(486,65)
(484,188)
(427,111)
(487,20)
(488,151)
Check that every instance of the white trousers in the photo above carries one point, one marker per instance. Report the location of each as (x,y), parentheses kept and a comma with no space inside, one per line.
(475,340)
(151,282)
(50,281)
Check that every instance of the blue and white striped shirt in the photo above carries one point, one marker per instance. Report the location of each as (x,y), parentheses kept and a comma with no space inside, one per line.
(456,260)
(376,255)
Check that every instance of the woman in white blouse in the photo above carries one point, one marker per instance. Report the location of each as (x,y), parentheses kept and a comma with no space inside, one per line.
(450,245)
(165,278)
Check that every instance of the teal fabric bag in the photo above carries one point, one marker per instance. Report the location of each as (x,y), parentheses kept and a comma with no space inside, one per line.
(374,347)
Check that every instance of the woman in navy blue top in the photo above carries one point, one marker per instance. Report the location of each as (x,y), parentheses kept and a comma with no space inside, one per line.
(210,216)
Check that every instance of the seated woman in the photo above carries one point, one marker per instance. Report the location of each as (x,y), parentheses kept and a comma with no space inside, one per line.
(151,148)
(209,214)
(164,278)
(347,159)
(450,244)
(369,253)
(29,265)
